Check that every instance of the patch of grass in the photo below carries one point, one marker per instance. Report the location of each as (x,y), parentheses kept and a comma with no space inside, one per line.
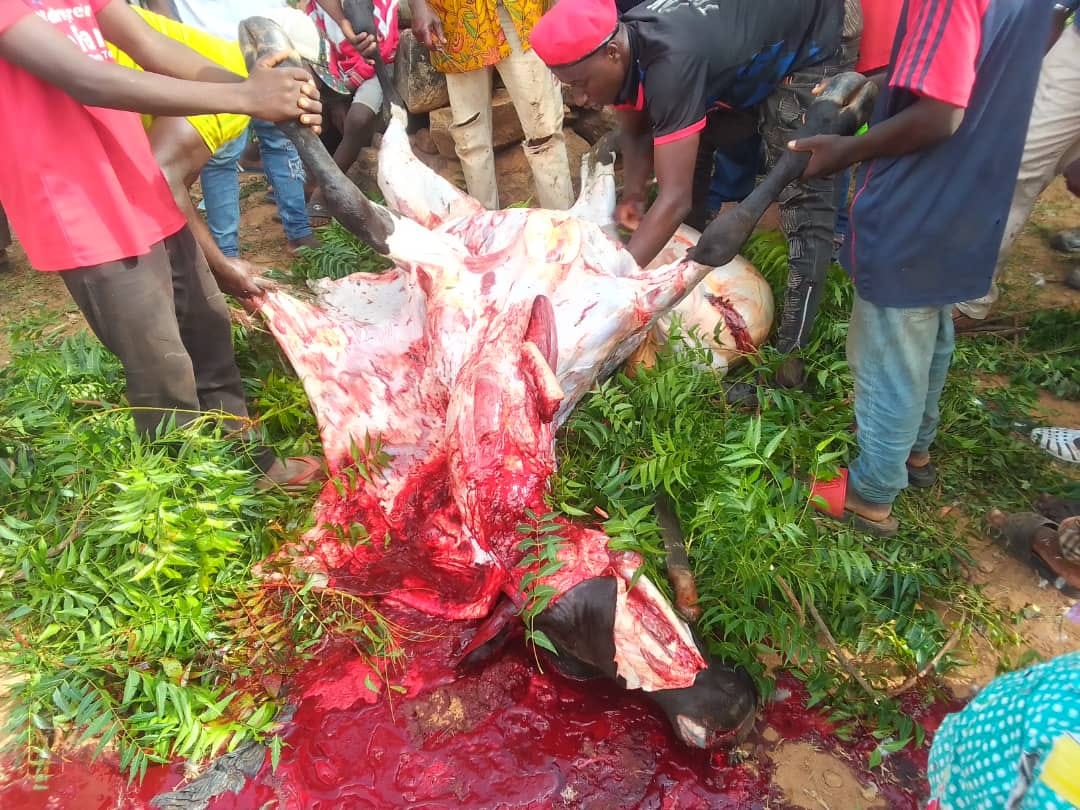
(775,583)
(131,616)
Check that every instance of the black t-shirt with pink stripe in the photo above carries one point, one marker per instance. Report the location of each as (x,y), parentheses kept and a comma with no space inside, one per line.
(689,56)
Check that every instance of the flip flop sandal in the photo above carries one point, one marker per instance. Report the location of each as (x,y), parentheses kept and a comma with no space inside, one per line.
(1023,535)
(311,471)
(834,494)
(1062,443)
(1045,548)
(922,477)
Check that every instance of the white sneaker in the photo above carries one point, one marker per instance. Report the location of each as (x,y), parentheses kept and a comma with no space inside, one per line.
(1062,443)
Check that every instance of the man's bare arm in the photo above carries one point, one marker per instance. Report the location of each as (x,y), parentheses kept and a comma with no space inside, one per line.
(635,142)
(37,47)
(922,125)
(675,177)
(155,52)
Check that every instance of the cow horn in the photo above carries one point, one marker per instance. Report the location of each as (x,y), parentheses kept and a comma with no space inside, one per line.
(844,105)
(371,223)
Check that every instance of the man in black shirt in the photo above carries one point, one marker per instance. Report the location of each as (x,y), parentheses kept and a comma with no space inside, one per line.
(669,65)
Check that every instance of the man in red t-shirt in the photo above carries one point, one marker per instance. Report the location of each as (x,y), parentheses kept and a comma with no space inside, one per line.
(87,199)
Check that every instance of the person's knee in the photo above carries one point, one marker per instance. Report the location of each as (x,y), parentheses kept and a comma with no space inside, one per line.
(471,135)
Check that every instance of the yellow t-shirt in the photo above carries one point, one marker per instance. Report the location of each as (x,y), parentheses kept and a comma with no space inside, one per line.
(216,130)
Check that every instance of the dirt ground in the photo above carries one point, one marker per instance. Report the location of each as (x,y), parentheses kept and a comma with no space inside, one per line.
(809,778)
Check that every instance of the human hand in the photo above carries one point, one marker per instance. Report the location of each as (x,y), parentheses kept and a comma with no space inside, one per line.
(366,44)
(241,279)
(629,212)
(427,26)
(281,94)
(829,154)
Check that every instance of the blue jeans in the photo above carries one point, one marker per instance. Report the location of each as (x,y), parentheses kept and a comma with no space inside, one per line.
(221,187)
(899,358)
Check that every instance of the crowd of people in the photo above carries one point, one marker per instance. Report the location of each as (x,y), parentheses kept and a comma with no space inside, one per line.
(971,125)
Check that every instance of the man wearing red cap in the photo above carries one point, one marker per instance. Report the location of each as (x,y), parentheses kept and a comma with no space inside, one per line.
(669,65)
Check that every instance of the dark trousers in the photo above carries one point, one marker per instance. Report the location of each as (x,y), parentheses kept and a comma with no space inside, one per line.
(164,317)
(5,232)
(726,131)
(807,207)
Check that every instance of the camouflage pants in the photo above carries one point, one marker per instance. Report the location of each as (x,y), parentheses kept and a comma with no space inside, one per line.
(807,207)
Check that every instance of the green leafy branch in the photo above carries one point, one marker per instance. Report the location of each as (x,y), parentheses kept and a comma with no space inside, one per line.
(540,546)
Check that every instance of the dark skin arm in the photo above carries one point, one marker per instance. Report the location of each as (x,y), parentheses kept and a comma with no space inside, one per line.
(155,52)
(182,153)
(271,94)
(166,8)
(675,176)
(427,26)
(924,124)
(365,44)
(635,141)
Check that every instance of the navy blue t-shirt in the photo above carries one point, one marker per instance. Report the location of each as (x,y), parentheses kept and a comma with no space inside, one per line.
(926,227)
(688,56)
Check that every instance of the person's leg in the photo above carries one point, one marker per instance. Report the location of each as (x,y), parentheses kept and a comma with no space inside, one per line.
(891,352)
(221,195)
(470,104)
(203,318)
(129,305)
(359,124)
(5,241)
(539,104)
(285,172)
(1053,141)
(727,163)
(944,345)
(807,217)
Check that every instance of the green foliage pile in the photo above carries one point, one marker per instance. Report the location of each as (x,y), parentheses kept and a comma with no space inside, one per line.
(131,616)
(775,583)
(339,255)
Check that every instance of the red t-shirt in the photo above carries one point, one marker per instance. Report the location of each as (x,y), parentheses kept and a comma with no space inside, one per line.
(880,21)
(79,184)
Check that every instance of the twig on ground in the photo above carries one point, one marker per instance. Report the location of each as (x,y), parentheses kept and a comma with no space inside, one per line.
(841,656)
(932,663)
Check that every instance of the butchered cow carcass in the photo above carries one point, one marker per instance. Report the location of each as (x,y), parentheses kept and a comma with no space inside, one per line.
(438,387)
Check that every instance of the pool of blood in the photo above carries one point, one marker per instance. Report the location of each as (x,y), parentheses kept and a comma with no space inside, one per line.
(506,736)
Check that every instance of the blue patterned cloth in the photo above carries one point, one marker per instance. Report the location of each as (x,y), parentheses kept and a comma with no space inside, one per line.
(1016,746)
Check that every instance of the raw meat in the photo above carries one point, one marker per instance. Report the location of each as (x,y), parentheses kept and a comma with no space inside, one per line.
(459,364)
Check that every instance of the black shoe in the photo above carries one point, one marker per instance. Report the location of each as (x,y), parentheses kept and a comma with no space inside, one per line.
(922,477)
(1073,278)
(1066,241)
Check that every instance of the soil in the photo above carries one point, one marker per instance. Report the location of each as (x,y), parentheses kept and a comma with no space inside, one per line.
(797,770)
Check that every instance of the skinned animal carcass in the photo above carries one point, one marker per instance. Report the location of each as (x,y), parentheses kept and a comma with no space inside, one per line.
(438,387)
(730,312)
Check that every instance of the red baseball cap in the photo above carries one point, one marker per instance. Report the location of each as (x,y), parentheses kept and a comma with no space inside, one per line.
(573,30)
